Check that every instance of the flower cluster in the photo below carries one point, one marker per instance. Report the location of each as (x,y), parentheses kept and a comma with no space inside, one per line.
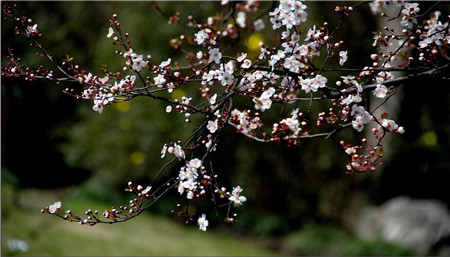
(409,14)
(435,32)
(264,102)
(176,150)
(236,198)
(188,178)
(291,124)
(245,123)
(289,13)
(313,84)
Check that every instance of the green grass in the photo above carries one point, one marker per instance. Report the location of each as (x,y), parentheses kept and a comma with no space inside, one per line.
(321,240)
(144,235)
(151,234)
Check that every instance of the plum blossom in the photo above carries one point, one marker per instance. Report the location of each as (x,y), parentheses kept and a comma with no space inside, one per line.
(159,80)
(146,190)
(138,63)
(285,34)
(241,57)
(196,163)
(380,91)
(226,78)
(32,30)
(291,123)
(350,151)
(245,123)
(259,25)
(201,36)
(320,81)
(202,223)
(342,57)
(263,102)
(362,117)
(292,64)
(213,99)
(434,31)
(276,57)
(164,151)
(212,126)
(409,13)
(309,85)
(246,64)
(357,110)
(236,198)
(165,63)
(289,13)
(101,100)
(110,32)
(389,125)
(215,55)
(380,6)
(240,20)
(177,150)
(54,207)
(351,99)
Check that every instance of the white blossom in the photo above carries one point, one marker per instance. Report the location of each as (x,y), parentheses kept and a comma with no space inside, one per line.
(215,55)
(240,20)
(264,102)
(201,36)
(110,32)
(202,223)
(342,57)
(54,207)
(165,63)
(380,91)
(236,198)
(212,126)
(259,25)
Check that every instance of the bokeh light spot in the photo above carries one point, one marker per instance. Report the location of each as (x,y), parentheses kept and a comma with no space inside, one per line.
(137,158)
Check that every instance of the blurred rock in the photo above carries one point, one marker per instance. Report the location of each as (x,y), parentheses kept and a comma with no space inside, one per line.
(415,224)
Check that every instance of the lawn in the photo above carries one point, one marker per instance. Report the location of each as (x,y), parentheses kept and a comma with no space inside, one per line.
(145,235)
(150,234)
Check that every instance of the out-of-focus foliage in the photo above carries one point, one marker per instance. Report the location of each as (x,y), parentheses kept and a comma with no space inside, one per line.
(322,241)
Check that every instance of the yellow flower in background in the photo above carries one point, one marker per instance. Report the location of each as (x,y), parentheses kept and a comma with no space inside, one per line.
(137,158)
(123,107)
(177,94)
(430,138)
(253,41)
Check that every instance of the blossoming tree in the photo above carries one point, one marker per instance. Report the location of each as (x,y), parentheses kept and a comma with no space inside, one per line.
(236,89)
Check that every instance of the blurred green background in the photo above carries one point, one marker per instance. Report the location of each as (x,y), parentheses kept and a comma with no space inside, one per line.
(55,147)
